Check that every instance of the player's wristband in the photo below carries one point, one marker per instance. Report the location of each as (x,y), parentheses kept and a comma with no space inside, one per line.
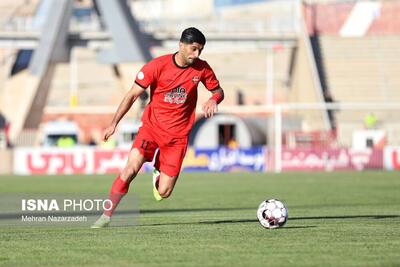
(217,97)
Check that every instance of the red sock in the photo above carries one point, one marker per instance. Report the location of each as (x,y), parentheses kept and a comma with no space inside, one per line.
(117,192)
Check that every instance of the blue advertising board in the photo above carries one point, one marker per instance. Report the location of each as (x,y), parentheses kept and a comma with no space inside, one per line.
(224,159)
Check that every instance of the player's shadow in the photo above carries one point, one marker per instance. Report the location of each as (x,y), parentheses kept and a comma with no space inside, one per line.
(344,217)
(253,221)
(336,217)
(190,210)
(316,218)
(377,217)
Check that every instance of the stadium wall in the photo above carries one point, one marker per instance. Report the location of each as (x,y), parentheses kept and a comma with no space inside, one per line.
(90,160)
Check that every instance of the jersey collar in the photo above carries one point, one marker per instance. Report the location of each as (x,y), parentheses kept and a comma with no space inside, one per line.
(176,64)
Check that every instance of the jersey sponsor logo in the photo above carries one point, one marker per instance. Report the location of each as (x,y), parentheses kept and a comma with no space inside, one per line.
(176,96)
(195,79)
(140,75)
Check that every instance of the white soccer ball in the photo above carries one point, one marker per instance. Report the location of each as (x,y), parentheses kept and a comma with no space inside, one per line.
(272,213)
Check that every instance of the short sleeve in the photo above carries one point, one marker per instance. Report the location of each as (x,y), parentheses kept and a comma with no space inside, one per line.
(146,76)
(209,79)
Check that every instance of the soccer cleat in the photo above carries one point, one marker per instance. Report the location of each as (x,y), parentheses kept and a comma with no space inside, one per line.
(102,222)
(156,174)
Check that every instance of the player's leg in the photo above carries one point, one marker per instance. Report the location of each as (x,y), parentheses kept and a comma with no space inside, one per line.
(120,186)
(166,184)
(168,161)
(143,150)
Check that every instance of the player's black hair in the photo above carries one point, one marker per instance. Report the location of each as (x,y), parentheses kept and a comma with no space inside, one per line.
(192,35)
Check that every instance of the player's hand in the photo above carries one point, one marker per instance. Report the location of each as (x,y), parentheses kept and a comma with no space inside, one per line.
(210,108)
(108,132)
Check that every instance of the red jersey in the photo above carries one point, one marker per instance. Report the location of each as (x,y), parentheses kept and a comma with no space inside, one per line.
(173,93)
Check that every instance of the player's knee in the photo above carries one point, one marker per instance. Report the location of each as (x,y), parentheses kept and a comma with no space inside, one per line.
(164,192)
(129,173)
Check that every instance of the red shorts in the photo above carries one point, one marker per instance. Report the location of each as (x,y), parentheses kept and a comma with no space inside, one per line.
(171,151)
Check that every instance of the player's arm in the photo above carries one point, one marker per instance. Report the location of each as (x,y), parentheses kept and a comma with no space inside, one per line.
(211,106)
(123,108)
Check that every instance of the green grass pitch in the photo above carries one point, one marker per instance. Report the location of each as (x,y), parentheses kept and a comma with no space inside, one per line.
(335,219)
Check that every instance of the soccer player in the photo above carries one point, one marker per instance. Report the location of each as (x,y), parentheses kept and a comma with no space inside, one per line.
(167,119)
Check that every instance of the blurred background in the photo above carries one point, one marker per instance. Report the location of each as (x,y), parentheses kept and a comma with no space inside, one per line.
(309,85)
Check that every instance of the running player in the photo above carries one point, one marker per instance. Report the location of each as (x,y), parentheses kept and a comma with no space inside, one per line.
(167,119)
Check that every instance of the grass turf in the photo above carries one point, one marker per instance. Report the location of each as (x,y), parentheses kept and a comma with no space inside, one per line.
(335,219)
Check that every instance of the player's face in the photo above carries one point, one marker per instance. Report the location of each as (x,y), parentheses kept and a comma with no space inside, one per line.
(190,52)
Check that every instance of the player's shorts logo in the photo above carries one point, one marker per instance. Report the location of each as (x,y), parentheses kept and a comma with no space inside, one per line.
(176,96)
